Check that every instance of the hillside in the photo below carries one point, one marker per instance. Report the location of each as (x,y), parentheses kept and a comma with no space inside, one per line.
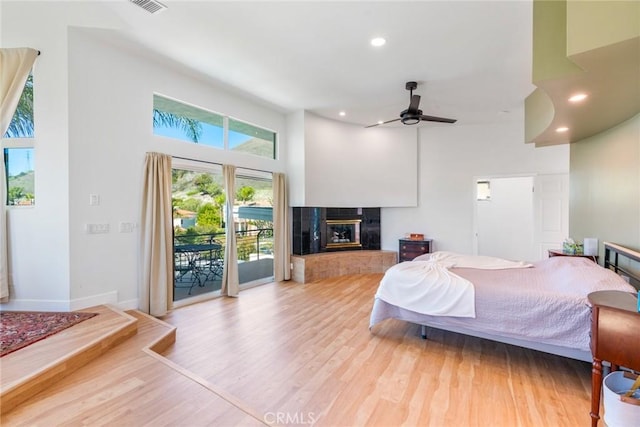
(256,146)
(24,180)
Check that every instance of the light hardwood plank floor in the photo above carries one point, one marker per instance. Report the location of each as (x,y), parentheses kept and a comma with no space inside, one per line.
(130,386)
(303,354)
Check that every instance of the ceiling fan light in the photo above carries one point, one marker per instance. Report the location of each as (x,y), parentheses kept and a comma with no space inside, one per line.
(410,120)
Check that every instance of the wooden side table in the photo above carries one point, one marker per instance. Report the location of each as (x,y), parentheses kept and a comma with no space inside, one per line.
(409,249)
(615,337)
(558,252)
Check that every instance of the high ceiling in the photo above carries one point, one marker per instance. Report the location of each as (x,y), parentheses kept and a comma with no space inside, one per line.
(472,59)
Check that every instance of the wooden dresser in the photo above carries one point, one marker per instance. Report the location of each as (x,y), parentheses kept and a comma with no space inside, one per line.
(615,337)
(409,249)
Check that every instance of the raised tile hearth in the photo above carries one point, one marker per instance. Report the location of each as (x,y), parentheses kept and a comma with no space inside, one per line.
(312,267)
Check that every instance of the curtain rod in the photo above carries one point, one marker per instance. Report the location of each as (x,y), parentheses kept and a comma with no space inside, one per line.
(219,164)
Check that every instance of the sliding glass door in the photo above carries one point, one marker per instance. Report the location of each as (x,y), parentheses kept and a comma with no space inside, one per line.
(199,242)
(198,230)
(253,211)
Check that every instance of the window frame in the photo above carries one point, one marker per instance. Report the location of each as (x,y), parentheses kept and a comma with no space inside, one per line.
(225,129)
(21,143)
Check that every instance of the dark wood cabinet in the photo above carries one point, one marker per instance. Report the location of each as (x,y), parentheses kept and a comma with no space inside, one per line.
(409,249)
(615,337)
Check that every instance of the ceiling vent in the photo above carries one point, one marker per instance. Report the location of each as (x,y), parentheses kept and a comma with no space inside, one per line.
(150,6)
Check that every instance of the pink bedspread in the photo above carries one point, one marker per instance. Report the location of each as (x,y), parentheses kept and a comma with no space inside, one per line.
(546,303)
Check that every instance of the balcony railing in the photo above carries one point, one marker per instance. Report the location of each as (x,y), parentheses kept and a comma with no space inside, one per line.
(198,259)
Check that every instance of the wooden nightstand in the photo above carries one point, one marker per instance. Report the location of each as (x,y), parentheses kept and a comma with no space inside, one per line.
(409,249)
(558,252)
(615,323)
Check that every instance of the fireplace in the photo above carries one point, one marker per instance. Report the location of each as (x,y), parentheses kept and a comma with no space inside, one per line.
(343,233)
(317,229)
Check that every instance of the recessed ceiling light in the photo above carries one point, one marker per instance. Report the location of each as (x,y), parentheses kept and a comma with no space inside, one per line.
(342,113)
(578,97)
(380,122)
(562,129)
(378,41)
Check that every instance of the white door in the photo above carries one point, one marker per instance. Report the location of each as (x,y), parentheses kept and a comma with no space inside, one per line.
(505,219)
(551,199)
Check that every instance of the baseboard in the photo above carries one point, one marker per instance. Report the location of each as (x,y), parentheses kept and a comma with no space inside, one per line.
(107,298)
(35,305)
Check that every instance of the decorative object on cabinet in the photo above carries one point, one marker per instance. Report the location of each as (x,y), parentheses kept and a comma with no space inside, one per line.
(570,247)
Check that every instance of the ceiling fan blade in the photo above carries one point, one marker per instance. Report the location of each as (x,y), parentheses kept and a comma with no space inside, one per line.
(437,119)
(415,103)
(383,123)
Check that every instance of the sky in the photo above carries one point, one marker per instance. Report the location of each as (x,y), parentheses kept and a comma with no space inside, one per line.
(20,160)
(211,135)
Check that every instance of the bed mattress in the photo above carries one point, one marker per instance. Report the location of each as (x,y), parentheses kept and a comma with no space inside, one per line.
(544,304)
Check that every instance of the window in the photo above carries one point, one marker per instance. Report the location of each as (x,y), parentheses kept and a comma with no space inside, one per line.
(483,191)
(20,176)
(18,151)
(21,125)
(251,139)
(175,119)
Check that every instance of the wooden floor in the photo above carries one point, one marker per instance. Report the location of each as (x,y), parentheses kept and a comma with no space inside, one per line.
(304,353)
(293,354)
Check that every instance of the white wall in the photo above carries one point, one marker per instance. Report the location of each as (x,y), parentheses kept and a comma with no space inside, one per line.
(605,186)
(296,158)
(94,124)
(450,158)
(346,165)
(38,236)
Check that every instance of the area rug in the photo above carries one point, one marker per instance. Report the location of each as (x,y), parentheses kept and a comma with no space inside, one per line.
(18,329)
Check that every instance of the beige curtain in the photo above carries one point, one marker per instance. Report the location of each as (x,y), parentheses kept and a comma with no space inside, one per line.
(230,280)
(156,236)
(15,65)
(281,261)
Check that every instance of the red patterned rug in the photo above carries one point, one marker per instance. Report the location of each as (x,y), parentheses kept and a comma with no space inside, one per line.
(21,328)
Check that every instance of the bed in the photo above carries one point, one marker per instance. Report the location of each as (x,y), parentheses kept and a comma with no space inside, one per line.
(542,306)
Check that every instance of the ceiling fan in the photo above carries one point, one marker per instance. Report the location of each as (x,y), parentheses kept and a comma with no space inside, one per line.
(413,115)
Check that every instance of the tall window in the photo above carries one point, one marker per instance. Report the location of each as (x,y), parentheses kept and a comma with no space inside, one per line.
(177,120)
(18,151)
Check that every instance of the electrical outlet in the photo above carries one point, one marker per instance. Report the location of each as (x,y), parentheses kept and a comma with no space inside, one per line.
(97,228)
(127,227)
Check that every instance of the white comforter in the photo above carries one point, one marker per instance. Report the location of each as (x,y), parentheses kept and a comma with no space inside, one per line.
(425,285)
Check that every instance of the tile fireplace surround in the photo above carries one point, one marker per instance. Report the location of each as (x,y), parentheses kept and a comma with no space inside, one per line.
(312,228)
(330,242)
